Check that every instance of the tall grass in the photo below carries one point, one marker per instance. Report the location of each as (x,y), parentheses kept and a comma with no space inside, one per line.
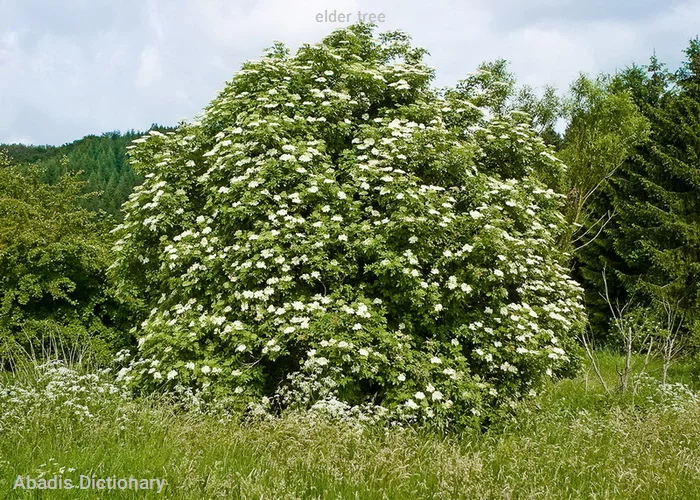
(572,441)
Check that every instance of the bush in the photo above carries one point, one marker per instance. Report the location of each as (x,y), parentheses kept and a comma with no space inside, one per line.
(332,229)
(55,297)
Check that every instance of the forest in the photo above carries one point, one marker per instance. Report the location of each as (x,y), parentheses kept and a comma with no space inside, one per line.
(479,291)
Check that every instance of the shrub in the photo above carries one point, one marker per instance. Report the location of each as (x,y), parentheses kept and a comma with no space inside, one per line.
(55,297)
(332,229)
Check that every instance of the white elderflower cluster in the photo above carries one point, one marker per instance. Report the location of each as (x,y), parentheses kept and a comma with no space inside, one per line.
(56,388)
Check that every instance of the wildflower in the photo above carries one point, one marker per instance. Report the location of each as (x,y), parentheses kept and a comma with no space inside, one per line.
(401,377)
(419,395)
(363,352)
(206,369)
(435,360)
(437,396)
(172,374)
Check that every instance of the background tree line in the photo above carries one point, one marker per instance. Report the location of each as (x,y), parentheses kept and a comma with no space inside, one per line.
(631,142)
(100,160)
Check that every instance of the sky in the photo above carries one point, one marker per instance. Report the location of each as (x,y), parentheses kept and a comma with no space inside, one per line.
(79,67)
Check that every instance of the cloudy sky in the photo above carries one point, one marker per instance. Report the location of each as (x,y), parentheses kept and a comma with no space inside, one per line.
(75,67)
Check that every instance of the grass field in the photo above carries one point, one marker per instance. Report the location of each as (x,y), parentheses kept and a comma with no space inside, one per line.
(572,441)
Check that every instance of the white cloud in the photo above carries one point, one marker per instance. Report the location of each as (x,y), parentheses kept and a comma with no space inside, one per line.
(150,69)
(83,68)
(557,54)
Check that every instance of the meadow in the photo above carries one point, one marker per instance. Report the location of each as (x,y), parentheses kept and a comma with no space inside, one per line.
(571,441)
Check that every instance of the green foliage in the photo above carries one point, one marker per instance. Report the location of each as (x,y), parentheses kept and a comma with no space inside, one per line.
(23,154)
(104,165)
(493,88)
(53,293)
(100,161)
(333,233)
(605,126)
(652,246)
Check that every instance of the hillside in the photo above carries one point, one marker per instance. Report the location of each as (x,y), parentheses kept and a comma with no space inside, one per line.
(102,159)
